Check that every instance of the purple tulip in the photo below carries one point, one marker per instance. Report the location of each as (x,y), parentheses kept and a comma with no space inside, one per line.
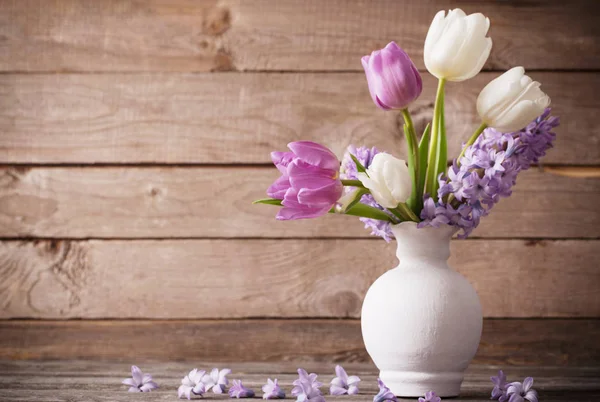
(394,81)
(309,184)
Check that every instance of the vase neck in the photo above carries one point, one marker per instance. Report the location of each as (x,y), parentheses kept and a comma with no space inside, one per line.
(429,243)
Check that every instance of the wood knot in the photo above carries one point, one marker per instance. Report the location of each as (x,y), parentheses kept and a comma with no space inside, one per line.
(217,22)
(154,191)
(344,304)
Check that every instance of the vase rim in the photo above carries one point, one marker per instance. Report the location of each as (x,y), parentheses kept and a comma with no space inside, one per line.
(412,226)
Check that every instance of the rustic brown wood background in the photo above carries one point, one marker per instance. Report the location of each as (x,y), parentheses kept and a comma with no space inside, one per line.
(135,134)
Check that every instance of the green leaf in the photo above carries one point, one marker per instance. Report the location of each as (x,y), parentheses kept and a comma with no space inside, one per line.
(268,201)
(351,199)
(424,144)
(365,211)
(359,166)
(422,168)
(352,183)
(412,168)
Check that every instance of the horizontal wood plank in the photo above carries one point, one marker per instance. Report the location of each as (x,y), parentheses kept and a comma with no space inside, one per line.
(185,35)
(277,278)
(314,343)
(98,381)
(241,118)
(167,202)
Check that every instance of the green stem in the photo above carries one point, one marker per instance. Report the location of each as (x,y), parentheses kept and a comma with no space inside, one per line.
(471,141)
(413,156)
(436,141)
(352,183)
(411,215)
(400,214)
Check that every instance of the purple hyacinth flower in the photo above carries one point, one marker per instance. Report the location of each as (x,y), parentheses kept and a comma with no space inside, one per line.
(309,185)
(492,163)
(306,387)
(430,397)
(518,392)
(238,390)
(384,393)
(139,382)
(272,390)
(394,81)
(488,170)
(192,384)
(343,384)
(499,391)
(216,380)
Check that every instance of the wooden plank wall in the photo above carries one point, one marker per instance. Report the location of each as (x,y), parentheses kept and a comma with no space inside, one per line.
(135,134)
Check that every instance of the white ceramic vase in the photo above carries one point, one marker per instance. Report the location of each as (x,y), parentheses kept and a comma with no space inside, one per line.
(421,321)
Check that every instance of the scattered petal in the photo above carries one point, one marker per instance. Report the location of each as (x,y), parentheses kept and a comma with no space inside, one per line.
(341,384)
(238,390)
(272,390)
(139,382)
(384,393)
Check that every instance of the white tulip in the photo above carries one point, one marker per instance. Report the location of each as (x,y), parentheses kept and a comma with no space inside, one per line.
(388,179)
(456,47)
(511,101)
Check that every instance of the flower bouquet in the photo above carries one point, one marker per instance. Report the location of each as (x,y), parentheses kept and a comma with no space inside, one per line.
(422,321)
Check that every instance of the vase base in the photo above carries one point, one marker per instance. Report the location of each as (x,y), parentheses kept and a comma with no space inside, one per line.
(415,384)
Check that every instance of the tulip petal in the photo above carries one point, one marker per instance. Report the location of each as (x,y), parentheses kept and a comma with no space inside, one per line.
(291,213)
(499,93)
(315,154)
(394,81)
(321,197)
(279,187)
(456,46)
(518,116)
(303,175)
(282,159)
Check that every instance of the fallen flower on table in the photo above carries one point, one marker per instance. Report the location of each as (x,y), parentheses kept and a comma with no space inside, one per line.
(430,397)
(343,384)
(306,387)
(216,380)
(272,390)
(139,382)
(518,392)
(192,384)
(384,393)
(238,390)
(500,385)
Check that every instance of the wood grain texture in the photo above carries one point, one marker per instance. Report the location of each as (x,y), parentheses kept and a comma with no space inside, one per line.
(514,343)
(277,278)
(167,202)
(186,35)
(99,381)
(240,118)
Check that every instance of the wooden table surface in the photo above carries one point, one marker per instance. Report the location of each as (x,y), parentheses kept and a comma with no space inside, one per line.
(101,381)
